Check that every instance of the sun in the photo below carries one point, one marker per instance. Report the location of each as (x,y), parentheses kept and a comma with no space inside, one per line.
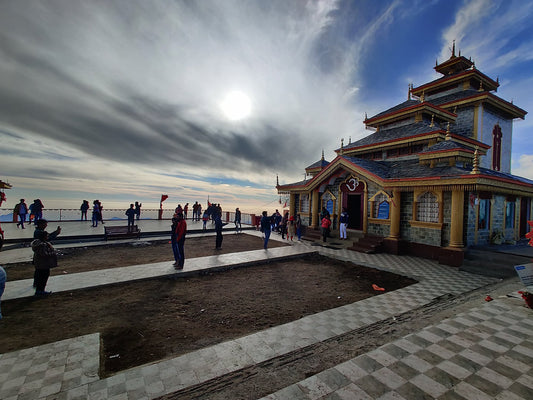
(236,106)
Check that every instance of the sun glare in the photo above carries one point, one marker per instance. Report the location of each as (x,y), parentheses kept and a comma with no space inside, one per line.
(236,105)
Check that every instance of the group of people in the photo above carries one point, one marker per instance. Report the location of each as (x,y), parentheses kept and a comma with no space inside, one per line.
(325,224)
(21,210)
(285,225)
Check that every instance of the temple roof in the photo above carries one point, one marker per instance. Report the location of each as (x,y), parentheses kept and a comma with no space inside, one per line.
(319,164)
(446,145)
(391,134)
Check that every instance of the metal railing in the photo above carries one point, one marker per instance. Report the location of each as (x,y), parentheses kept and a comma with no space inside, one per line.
(72,214)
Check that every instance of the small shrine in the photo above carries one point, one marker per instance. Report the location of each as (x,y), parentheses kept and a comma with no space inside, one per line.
(434,177)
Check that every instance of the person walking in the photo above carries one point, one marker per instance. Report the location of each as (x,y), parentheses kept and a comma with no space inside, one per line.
(21,209)
(238,226)
(266,228)
(179,230)
(343,223)
(325,225)
(44,257)
(3,278)
(130,212)
(83,208)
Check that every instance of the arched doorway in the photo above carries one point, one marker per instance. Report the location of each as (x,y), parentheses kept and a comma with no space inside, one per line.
(353,191)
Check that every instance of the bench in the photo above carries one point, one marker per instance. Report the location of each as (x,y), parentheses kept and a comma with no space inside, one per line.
(121,232)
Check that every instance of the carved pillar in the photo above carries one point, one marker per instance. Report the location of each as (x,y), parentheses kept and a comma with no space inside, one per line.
(315,210)
(456,227)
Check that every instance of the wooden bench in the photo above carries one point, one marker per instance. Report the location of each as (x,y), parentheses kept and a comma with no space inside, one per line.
(121,232)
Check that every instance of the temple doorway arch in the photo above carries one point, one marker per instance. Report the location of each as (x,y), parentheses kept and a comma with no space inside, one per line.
(353,198)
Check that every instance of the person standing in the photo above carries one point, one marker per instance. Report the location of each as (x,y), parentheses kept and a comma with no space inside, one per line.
(3,278)
(179,230)
(218,230)
(326,223)
(290,228)
(21,209)
(37,210)
(96,213)
(205,218)
(83,208)
(343,223)
(130,212)
(266,228)
(138,209)
(44,256)
(238,226)
(199,212)
(298,224)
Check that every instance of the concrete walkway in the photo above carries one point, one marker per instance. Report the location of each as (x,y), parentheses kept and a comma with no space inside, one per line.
(484,353)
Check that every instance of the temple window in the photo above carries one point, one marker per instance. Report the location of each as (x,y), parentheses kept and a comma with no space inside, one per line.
(380,206)
(483,215)
(510,209)
(427,208)
(304,203)
(496,147)
(328,202)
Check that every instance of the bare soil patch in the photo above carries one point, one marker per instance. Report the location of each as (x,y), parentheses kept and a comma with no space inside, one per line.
(146,321)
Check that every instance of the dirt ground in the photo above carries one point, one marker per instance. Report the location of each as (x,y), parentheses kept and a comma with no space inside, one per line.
(166,317)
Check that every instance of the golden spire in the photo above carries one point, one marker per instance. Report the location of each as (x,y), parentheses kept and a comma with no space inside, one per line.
(422,97)
(342,146)
(448,135)
(432,120)
(408,91)
(277,180)
(349,140)
(475,169)
(322,154)
(480,86)
(453,49)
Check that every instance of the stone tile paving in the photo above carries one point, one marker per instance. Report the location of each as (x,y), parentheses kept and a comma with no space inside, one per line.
(153,380)
(485,353)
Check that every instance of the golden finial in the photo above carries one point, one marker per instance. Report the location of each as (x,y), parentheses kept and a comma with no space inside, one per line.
(277,180)
(342,146)
(366,117)
(349,140)
(475,169)
(422,97)
(322,154)
(408,91)
(453,49)
(432,120)
(480,86)
(455,110)
(448,135)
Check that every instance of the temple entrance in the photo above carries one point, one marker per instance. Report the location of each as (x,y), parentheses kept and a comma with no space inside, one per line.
(355,211)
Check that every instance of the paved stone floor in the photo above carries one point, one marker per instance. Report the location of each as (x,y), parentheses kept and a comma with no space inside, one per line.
(484,353)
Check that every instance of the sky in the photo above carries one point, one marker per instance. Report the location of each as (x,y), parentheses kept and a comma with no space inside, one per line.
(126,100)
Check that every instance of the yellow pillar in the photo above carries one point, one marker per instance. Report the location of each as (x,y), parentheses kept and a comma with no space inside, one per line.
(395,215)
(314,216)
(456,227)
(292,205)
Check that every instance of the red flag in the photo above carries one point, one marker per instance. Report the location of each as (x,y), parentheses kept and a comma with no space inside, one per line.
(164,197)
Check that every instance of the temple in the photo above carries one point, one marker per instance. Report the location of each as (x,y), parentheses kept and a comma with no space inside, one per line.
(433,178)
